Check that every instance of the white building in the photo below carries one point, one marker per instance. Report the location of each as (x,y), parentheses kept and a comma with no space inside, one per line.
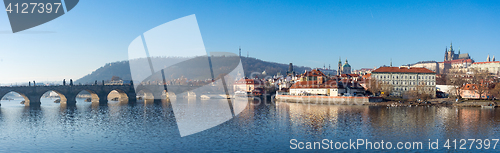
(404,79)
(492,67)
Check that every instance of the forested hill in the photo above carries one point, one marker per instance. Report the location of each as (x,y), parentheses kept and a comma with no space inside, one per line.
(121,69)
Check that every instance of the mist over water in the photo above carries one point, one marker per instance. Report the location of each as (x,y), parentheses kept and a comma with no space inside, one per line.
(261,127)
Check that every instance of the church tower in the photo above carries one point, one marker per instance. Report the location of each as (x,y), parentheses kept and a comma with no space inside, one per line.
(450,54)
(346,68)
(339,70)
(446,54)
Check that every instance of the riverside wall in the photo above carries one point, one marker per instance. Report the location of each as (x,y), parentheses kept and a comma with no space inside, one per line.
(332,100)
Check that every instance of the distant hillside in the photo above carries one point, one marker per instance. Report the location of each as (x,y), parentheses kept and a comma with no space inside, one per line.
(122,69)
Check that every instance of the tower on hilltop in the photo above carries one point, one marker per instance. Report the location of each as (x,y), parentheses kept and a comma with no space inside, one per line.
(450,55)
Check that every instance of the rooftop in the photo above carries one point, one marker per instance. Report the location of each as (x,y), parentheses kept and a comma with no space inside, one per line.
(314,72)
(486,62)
(402,70)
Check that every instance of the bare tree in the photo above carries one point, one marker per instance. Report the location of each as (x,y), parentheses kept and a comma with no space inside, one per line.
(456,79)
(379,87)
(495,92)
(481,80)
(419,92)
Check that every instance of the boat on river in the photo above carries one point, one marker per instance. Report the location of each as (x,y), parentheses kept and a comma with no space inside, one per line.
(488,106)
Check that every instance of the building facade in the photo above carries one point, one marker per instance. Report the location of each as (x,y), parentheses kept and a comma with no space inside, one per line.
(315,82)
(431,65)
(406,79)
(472,91)
(493,67)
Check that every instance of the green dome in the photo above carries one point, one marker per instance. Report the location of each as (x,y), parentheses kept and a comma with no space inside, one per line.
(346,65)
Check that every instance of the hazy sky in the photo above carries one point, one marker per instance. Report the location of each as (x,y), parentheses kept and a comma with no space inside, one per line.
(307,33)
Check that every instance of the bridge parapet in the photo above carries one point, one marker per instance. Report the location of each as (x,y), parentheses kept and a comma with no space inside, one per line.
(32,94)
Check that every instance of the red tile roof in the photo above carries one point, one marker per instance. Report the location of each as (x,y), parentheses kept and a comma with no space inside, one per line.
(314,84)
(461,61)
(314,72)
(486,62)
(367,76)
(248,81)
(458,61)
(472,86)
(402,70)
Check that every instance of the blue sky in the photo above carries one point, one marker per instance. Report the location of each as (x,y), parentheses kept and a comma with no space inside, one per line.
(307,33)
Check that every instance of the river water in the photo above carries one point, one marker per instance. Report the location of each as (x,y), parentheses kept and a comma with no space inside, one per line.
(261,127)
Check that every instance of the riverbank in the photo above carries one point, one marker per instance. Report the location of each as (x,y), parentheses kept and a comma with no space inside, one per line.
(377,101)
(446,103)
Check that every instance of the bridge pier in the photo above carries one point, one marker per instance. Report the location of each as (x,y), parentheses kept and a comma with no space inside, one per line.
(70,99)
(158,96)
(103,98)
(132,97)
(33,100)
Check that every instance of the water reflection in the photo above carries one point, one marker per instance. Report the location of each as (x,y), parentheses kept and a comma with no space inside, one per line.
(148,126)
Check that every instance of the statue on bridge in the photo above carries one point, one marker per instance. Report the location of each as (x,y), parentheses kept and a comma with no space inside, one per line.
(95,82)
(34,84)
(29,84)
(70,82)
(64,82)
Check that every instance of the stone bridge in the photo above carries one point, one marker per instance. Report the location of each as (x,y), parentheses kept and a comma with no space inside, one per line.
(68,93)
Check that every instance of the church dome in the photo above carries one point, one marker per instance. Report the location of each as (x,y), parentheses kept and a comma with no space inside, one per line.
(346,64)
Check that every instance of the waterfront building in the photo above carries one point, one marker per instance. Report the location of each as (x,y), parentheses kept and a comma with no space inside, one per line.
(315,82)
(248,85)
(475,91)
(405,79)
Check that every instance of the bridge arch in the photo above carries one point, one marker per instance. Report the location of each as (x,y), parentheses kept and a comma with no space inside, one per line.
(26,99)
(117,93)
(62,97)
(145,94)
(94,97)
